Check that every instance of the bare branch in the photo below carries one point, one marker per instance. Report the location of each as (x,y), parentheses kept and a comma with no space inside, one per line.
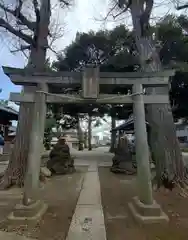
(66,3)
(21,48)
(37,11)
(120,4)
(20,4)
(17,14)
(54,51)
(144,19)
(124,10)
(123,4)
(111,10)
(182,7)
(18,33)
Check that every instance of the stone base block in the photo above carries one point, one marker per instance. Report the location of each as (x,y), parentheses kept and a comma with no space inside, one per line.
(147,214)
(33,212)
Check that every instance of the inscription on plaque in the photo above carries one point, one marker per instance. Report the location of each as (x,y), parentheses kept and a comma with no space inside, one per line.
(90,83)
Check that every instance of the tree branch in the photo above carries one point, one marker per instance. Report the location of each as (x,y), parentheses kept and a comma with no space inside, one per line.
(37,11)
(20,4)
(18,15)
(18,33)
(123,11)
(123,4)
(183,22)
(66,3)
(144,19)
(22,48)
(182,7)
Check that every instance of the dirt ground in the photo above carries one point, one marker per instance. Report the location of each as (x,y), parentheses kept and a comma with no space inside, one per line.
(61,194)
(117,191)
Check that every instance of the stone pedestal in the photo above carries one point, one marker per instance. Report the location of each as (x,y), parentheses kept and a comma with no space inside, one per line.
(31,213)
(147,214)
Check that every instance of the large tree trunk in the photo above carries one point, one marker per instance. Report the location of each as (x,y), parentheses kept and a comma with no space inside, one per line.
(113,135)
(16,169)
(164,144)
(89,133)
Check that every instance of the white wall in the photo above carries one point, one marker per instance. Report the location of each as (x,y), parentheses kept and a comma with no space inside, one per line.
(182,133)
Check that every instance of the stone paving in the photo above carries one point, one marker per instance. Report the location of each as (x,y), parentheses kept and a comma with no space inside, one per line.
(88,219)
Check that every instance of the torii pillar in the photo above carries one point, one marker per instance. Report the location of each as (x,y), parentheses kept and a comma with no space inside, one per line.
(143,207)
(32,209)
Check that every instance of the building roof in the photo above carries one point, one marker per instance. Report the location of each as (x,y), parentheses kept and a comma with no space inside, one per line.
(126,126)
(181,122)
(10,113)
(12,128)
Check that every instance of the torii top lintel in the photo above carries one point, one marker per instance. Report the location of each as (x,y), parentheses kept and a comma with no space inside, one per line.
(26,77)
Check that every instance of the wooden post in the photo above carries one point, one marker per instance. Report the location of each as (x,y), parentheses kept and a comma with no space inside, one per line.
(36,145)
(142,150)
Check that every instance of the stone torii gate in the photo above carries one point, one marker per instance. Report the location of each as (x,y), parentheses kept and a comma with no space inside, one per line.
(48,87)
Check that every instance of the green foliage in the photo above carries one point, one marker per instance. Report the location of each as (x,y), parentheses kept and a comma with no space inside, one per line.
(4,102)
(179,94)
(184,150)
(183,21)
(48,134)
(115,51)
(174,51)
(112,51)
(107,49)
(174,54)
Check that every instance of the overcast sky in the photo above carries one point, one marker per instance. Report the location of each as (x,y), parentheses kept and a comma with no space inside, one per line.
(83,17)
